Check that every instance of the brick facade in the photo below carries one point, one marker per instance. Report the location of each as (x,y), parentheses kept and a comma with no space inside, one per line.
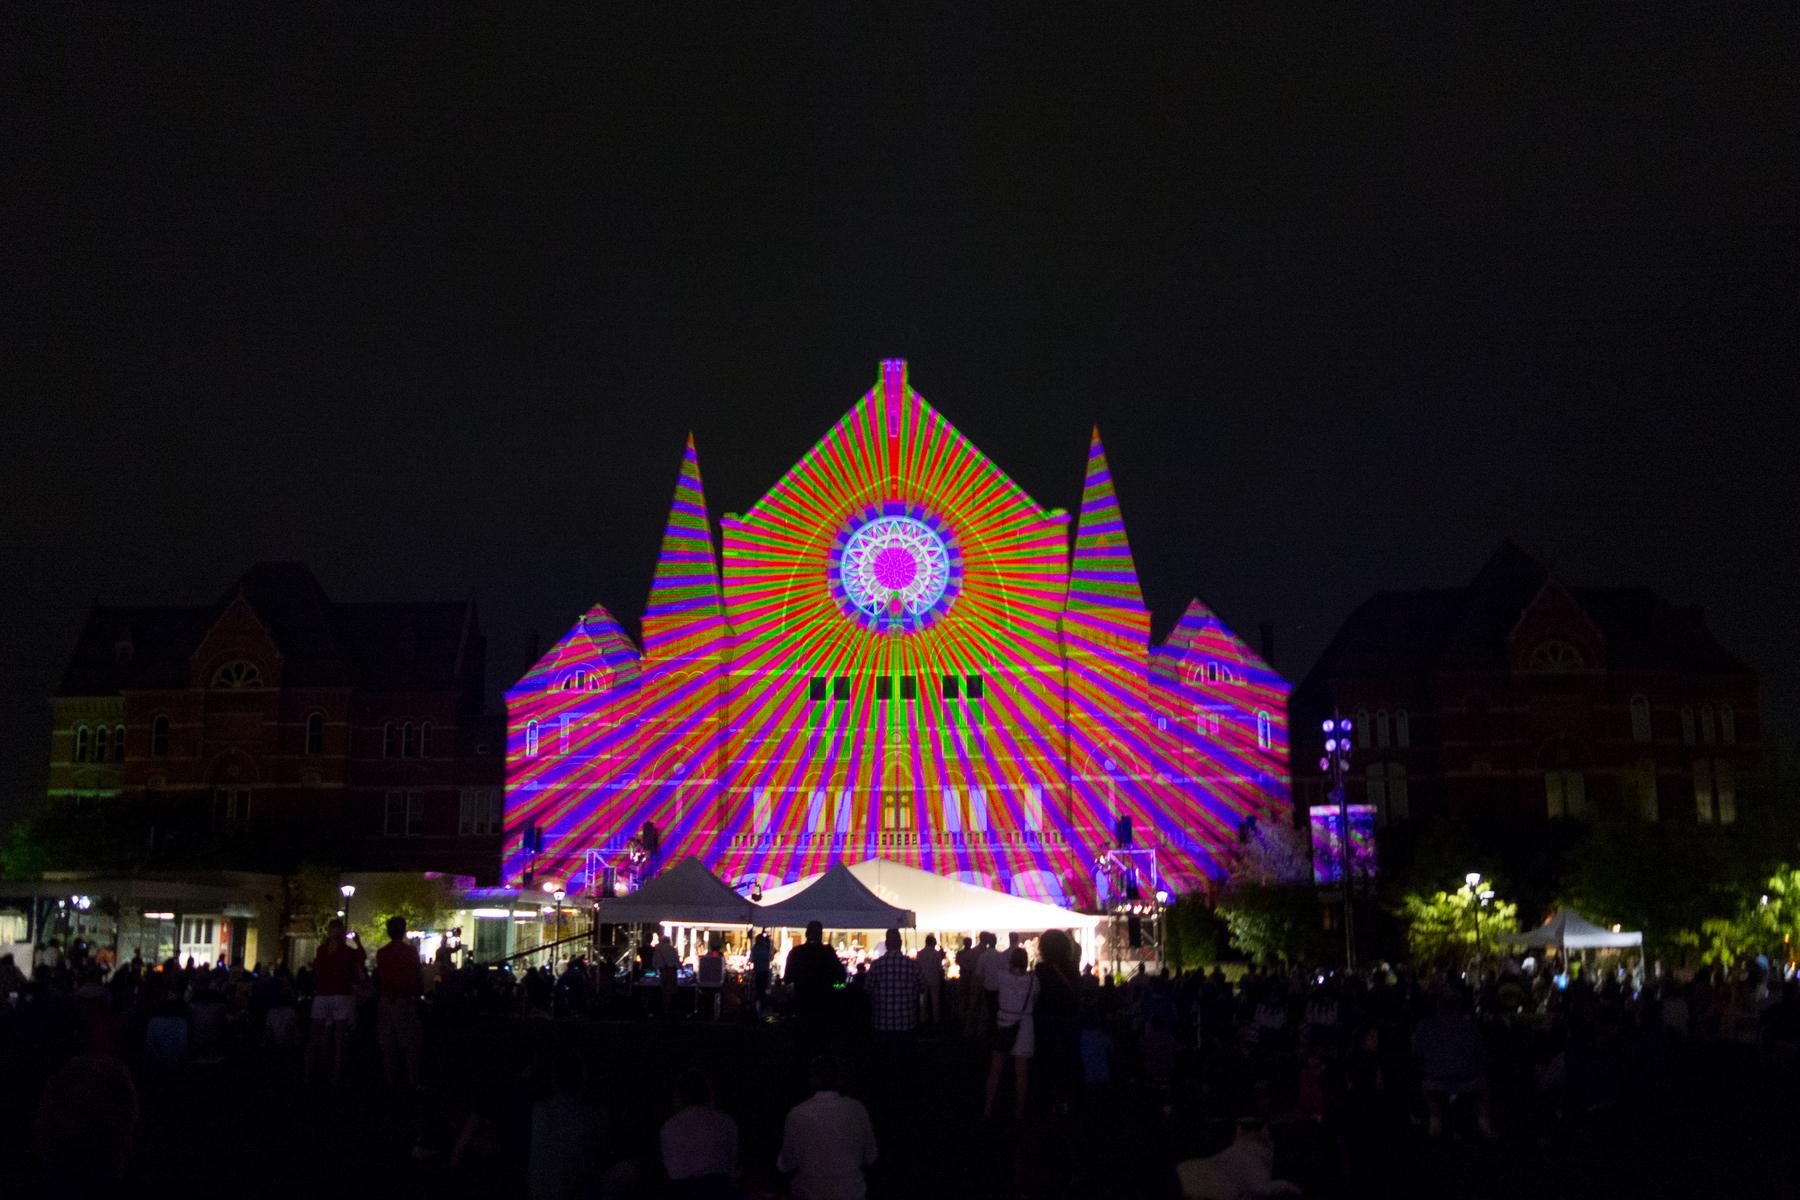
(276,725)
(1520,698)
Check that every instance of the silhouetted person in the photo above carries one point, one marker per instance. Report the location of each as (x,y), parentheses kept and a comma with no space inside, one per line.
(397,964)
(813,970)
(699,1143)
(335,969)
(827,1140)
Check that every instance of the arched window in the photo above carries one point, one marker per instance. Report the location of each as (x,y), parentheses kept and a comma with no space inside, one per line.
(1727,725)
(119,743)
(1687,724)
(1706,724)
(1265,730)
(390,740)
(1212,672)
(1362,728)
(315,733)
(159,737)
(81,743)
(238,674)
(531,740)
(409,746)
(1402,730)
(425,740)
(1381,728)
(1556,658)
(100,743)
(1640,719)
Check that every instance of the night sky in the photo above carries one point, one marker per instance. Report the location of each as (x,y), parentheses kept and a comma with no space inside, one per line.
(429,297)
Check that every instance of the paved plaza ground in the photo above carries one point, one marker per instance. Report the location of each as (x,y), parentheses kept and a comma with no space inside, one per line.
(1718,1124)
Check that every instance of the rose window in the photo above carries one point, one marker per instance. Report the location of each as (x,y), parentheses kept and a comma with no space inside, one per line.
(894,572)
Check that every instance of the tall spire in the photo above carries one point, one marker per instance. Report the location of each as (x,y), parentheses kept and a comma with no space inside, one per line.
(1102,575)
(684,614)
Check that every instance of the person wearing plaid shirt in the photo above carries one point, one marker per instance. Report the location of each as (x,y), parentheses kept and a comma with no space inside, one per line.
(894,986)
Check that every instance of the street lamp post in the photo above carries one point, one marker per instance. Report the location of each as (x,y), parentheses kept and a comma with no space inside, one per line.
(1337,763)
(346,890)
(558,894)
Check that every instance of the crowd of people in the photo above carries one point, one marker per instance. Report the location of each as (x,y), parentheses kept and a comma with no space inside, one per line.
(1285,1081)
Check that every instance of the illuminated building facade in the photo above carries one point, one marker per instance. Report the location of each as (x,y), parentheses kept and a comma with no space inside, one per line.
(906,657)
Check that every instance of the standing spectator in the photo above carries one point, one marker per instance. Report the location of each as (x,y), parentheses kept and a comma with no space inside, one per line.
(893,989)
(568,1140)
(994,967)
(762,953)
(813,971)
(1013,1030)
(1057,1019)
(667,963)
(827,1140)
(699,1143)
(1453,1062)
(397,967)
(931,975)
(709,979)
(968,987)
(335,968)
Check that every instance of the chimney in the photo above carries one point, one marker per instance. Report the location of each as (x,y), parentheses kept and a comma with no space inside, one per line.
(1267,629)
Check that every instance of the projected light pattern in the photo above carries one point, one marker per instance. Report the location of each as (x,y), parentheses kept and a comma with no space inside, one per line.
(905,660)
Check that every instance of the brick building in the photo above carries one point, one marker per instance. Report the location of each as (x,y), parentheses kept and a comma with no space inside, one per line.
(1521,698)
(276,725)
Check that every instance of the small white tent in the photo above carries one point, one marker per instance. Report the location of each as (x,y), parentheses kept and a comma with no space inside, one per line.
(1569,930)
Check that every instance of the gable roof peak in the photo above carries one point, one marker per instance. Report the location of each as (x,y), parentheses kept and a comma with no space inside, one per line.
(684,593)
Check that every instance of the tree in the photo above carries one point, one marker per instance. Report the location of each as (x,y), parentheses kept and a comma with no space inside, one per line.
(415,899)
(1766,924)
(1448,929)
(1272,922)
(1191,932)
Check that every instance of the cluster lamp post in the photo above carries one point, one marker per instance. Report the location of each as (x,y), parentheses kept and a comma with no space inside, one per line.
(1337,763)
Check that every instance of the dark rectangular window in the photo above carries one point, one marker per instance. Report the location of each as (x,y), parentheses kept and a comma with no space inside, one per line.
(816,690)
(840,688)
(415,814)
(952,685)
(973,690)
(884,687)
(909,687)
(394,824)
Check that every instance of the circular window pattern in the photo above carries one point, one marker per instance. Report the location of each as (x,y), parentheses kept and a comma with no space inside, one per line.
(895,571)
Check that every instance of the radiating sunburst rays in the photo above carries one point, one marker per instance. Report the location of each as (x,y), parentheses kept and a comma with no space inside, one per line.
(770,731)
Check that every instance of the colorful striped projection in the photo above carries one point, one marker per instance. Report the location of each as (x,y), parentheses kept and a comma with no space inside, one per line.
(907,659)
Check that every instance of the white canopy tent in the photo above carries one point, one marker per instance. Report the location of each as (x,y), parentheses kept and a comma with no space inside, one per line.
(1569,930)
(942,904)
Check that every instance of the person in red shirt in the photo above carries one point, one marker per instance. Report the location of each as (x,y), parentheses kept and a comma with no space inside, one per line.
(397,969)
(336,967)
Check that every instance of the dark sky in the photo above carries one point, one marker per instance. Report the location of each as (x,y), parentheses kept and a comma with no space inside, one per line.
(429,297)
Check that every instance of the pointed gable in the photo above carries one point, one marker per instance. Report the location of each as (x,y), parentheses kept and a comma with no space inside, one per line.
(1554,635)
(1102,576)
(1200,638)
(594,655)
(891,456)
(684,614)
(237,635)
